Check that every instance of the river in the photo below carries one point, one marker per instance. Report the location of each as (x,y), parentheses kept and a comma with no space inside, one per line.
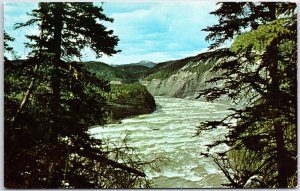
(169,133)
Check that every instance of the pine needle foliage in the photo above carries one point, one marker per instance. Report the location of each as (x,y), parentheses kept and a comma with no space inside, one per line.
(261,68)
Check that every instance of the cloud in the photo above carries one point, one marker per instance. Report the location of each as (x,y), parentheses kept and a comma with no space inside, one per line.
(155,31)
(162,27)
(119,7)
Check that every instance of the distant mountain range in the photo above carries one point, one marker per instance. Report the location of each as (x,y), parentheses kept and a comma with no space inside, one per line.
(145,63)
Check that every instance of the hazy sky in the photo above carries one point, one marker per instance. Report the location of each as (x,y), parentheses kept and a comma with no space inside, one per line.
(155,31)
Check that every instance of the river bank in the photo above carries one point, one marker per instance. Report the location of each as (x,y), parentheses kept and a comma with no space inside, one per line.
(128,100)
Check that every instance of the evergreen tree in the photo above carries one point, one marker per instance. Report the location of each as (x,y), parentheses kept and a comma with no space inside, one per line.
(261,67)
(7,48)
(7,38)
(46,139)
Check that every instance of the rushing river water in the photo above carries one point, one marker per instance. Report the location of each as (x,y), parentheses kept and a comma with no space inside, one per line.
(169,133)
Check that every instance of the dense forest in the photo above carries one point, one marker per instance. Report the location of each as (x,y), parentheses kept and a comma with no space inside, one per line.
(51,100)
(261,66)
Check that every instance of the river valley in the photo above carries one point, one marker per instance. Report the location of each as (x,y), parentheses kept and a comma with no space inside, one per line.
(168,133)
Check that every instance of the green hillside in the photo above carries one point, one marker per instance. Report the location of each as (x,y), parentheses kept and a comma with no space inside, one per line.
(128,73)
(104,71)
(132,71)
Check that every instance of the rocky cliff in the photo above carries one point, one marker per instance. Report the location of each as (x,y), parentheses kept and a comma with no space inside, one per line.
(180,78)
(183,84)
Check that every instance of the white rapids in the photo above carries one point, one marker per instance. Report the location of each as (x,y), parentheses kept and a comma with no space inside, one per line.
(169,133)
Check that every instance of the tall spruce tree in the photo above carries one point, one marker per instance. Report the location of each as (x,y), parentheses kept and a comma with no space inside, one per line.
(260,66)
(46,140)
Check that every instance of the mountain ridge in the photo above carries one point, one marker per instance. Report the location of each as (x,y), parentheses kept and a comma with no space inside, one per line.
(181,78)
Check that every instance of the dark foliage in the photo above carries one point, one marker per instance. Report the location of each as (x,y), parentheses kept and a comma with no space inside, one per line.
(7,48)
(260,70)
(46,139)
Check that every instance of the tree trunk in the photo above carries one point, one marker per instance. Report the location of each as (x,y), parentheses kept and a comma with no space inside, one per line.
(280,158)
(275,98)
(56,49)
(26,95)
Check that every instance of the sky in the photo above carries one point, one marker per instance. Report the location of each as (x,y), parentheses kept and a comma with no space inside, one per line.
(154,31)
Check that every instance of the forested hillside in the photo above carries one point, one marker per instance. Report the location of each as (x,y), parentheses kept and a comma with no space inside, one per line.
(127,73)
(127,100)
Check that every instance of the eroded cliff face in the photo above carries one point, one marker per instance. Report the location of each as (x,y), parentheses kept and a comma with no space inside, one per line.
(183,84)
(188,79)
